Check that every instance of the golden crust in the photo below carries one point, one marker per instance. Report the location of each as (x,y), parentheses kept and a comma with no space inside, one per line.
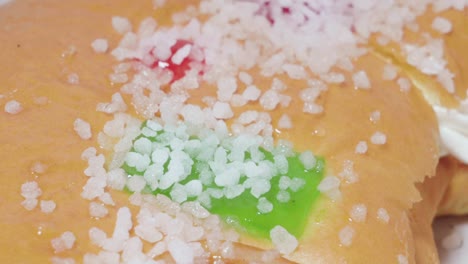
(387,174)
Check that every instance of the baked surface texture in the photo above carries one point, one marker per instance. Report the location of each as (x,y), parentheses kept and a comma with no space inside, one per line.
(381,144)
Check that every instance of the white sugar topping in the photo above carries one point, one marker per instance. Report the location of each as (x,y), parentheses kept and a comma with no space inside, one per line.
(180,251)
(296,184)
(358,213)
(251,93)
(445,77)
(264,206)
(284,242)
(248,117)
(38,167)
(58,260)
(270,99)
(361,80)
(93,188)
(100,45)
(284,182)
(383,215)
(245,78)
(295,71)
(378,138)
(285,122)
(330,187)
(73,79)
(429,59)
(121,24)
(117,179)
(404,83)
(13,107)
(389,72)
(30,190)
(123,224)
(64,242)
(181,54)
(283,196)
(227,86)
(361,147)
(82,128)
(259,187)
(346,236)
(97,210)
(47,206)
(308,159)
(348,173)
(329,183)
(222,110)
(442,25)
(118,78)
(375,117)
(29,203)
(402,259)
(333,77)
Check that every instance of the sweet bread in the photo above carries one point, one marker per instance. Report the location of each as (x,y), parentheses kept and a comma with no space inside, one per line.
(229,132)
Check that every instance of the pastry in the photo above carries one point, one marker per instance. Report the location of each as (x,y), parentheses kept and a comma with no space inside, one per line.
(194,132)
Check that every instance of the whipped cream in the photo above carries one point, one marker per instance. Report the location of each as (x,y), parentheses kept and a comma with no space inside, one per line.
(453,127)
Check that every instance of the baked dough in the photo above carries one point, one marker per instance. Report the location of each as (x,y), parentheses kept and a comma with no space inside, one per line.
(38,40)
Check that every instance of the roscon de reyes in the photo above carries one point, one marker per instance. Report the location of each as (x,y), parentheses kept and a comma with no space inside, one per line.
(242,131)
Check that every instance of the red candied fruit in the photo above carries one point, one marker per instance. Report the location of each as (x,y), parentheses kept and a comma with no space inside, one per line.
(178,70)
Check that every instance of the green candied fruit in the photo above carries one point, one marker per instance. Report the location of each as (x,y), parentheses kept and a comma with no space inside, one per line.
(251,188)
(292,213)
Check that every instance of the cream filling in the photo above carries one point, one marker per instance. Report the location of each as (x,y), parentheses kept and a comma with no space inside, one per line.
(453,127)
